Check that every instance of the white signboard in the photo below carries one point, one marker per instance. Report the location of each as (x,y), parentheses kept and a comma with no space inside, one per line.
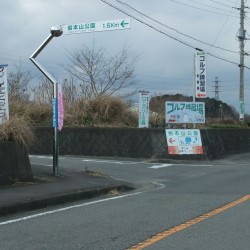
(77,28)
(185,112)
(143,109)
(184,141)
(200,75)
(4,103)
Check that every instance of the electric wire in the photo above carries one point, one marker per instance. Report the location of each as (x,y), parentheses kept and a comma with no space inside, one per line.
(191,6)
(222,3)
(210,6)
(181,33)
(164,33)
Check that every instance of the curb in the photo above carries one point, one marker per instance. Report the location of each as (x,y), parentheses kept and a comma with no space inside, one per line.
(59,199)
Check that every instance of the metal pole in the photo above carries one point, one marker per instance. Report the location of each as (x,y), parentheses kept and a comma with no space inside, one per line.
(56,31)
(194,90)
(241,38)
(56,134)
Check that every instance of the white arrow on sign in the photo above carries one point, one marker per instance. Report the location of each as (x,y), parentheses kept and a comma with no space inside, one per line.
(110,25)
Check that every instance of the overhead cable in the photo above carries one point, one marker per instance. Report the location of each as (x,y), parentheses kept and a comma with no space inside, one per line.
(222,3)
(164,33)
(210,6)
(175,1)
(164,25)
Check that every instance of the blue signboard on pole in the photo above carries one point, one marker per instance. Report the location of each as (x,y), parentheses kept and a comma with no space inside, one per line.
(55,113)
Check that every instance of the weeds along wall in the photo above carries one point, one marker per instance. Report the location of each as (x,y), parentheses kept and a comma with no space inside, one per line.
(136,143)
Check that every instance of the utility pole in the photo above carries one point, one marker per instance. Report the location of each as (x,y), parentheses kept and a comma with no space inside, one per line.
(216,88)
(242,38)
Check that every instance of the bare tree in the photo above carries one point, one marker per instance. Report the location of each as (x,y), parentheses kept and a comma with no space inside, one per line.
(69,92)
(98,74)
(43,92)
(18,82)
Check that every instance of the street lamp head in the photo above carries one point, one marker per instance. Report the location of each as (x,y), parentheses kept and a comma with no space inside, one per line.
(56,30)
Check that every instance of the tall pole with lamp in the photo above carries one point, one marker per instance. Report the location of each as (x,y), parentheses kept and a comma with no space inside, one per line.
(55,31)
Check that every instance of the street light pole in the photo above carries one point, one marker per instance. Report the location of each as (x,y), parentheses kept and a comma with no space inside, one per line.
(55,31)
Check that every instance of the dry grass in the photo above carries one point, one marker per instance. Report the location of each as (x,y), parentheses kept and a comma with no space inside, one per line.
(16,129)
(103,111)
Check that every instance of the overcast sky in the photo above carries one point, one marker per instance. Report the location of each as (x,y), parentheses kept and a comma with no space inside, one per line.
(166,62)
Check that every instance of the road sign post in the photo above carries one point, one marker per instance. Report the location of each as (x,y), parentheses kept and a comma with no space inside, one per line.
(57,31)
(109,25)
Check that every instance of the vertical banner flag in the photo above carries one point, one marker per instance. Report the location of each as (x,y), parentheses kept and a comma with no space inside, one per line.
(200,74)
(4,103)
(143,109)
(60,108)
(55,112)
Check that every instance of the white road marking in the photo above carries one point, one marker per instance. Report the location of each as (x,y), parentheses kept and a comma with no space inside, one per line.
(111,161)
(66,208)
(159,187)
(195,165)
(41,156)
(44,157)
(161,166)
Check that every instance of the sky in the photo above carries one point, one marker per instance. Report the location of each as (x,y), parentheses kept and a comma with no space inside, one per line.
(166,64)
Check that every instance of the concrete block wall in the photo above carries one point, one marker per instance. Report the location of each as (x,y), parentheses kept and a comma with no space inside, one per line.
(14,163)
(136,143)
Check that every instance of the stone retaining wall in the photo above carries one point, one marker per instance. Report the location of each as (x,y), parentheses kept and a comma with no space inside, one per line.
(136,143)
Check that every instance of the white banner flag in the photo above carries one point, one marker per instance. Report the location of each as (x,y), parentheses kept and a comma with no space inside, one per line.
(143,109)
(200,75)
(4,103)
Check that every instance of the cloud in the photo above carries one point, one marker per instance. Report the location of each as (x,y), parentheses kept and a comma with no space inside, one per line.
(164,60)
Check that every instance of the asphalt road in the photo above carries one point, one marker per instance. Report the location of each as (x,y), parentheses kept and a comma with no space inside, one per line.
(168,202)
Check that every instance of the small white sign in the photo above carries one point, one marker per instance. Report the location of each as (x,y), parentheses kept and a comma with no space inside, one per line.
(185,112)
(143,109)
(184,141)
(200,75)
(109,25)
(4,102)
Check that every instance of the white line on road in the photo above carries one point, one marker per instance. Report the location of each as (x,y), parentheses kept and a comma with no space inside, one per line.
(161,166)
(159,187)
(110,161)
(44,157)
(65,209)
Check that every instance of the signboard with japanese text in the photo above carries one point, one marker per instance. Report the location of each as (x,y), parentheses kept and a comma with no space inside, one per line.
(184,141)
(109,25)
(200,75)
(185,112)
(143,109)
(4,102)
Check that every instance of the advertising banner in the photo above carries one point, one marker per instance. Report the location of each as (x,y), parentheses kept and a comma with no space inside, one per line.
(200,74)
(185,112)
(60,108)
(4,103)
(143,109)
(184,141)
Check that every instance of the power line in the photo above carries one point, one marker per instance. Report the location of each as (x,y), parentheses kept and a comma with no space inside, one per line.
(164,25)
(210,6)
(164,33)
(191,6)
(229,6)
